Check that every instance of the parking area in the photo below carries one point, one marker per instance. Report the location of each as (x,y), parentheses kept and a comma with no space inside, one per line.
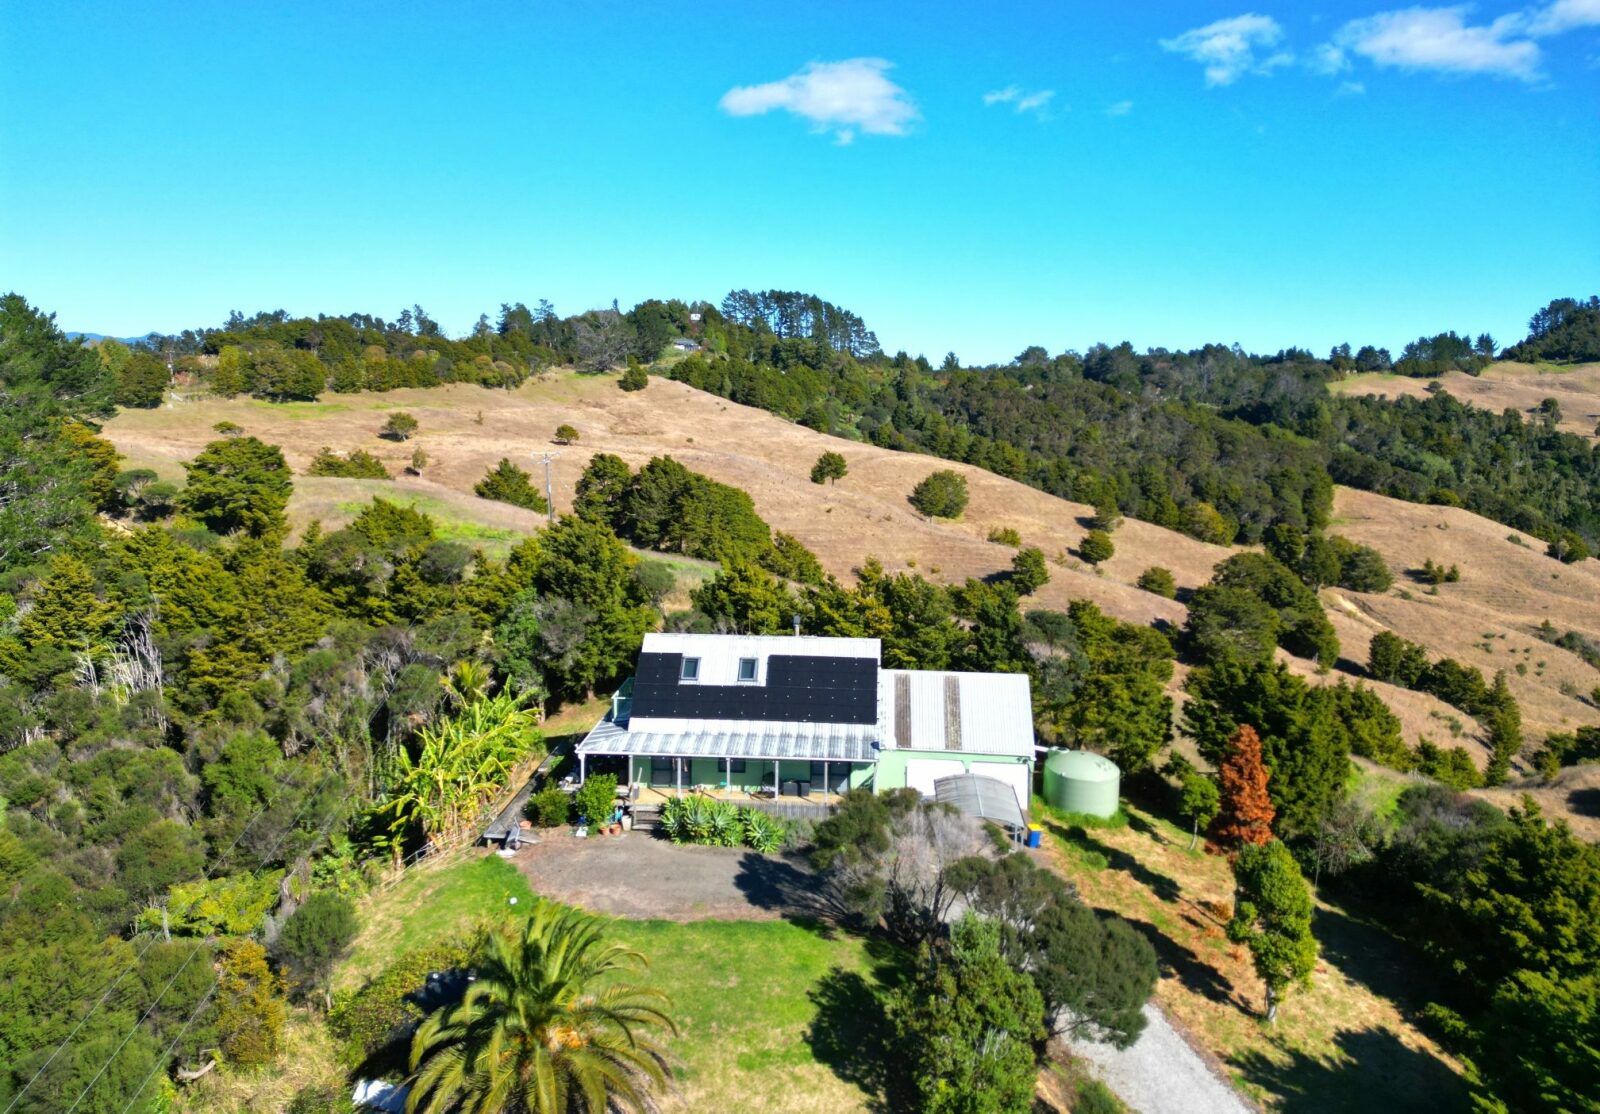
(645,878)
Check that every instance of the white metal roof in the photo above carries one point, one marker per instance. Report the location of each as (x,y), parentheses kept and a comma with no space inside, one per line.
(974,713)
(818,742)
(719,654)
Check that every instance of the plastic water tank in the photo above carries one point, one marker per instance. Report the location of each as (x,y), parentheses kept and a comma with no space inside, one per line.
(1079,781)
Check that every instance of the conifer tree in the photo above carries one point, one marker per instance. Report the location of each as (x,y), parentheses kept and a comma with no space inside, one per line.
(1246,814)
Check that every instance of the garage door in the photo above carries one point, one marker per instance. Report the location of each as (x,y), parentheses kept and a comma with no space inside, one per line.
(921,773)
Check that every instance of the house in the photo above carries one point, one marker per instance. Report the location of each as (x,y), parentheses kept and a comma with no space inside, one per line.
(808,717)
(684,344)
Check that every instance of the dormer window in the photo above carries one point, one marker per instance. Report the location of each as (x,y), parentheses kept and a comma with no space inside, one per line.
(691,670)
(747,670)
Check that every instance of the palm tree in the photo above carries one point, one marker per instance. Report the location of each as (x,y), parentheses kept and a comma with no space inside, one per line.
(544,1028)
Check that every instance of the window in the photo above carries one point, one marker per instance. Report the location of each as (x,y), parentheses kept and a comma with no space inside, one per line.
(736,765)
(747,669)
(691,669)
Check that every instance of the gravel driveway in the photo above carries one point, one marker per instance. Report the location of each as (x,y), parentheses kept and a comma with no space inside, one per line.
(1161,1073)
(642,877)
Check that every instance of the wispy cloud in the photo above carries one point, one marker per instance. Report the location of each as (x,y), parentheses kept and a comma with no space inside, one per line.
(1037,102)
(1441,40)
(1563,15)
(1121,108)
(1233,47)
(840,98)
(1350,89)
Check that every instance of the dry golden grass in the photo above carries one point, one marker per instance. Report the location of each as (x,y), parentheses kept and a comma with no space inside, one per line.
(1501,386)
(307,1060)
(1505,591)
(1337,1046)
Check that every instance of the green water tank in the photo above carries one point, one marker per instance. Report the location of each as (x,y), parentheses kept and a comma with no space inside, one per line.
(1078,781)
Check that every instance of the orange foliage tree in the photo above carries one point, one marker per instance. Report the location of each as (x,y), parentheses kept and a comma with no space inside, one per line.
(1246,814)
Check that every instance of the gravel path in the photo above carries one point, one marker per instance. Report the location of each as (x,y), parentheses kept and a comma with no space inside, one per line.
(1161,1073)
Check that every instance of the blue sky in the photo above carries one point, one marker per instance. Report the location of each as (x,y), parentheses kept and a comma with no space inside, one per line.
(965,176)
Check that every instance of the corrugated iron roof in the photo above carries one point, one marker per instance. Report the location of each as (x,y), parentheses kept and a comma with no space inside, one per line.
(984,797)
(816,742)
(975,713)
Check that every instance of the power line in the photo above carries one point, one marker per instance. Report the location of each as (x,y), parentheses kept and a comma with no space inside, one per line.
(162,1059)
(105,997)
(192,953)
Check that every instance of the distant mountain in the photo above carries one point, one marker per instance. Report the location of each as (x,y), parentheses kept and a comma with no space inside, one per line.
(92,337)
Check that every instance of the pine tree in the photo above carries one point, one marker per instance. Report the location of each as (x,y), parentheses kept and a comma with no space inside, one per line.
(1246,812)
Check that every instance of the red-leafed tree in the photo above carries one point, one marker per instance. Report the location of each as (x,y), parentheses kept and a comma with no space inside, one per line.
(1246,814)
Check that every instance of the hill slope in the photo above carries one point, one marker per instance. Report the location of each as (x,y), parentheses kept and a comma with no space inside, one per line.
(1504,385)
(1486,620)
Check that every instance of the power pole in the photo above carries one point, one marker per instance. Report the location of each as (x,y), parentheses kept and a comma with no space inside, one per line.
(549,493)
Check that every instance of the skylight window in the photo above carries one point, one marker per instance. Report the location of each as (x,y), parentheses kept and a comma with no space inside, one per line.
(691,669)
(747,669)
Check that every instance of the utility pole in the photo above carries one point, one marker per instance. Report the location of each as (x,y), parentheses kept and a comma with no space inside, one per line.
(549,494)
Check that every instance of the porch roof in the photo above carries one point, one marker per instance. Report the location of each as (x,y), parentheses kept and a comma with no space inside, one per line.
(816,742)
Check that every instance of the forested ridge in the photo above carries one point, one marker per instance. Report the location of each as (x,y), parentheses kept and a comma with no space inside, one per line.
(1216,442)
(210,737)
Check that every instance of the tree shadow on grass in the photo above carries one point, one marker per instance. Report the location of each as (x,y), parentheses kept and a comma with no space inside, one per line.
(1367,954)
(851,1034)
(1165,888)
(1372,1070)
(1185,965)
(1584,802)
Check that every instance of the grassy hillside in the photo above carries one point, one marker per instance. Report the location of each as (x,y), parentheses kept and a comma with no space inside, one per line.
(1486,619)
(1504,385)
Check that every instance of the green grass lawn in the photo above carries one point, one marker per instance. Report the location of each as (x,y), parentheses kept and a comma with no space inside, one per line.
(745,994)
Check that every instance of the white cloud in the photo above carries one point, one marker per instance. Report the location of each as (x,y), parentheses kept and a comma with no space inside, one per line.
(1230,48)
(844,98)
(1440,39)
(1021,101)
(1350,89)
(1121,108)
(1563,15)
(1328,60)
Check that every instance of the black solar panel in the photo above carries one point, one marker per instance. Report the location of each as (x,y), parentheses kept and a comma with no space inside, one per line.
(799,689)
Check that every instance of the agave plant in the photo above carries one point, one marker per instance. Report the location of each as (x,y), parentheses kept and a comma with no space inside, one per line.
(762,832)
(697,813)
(724,827)
(672,820)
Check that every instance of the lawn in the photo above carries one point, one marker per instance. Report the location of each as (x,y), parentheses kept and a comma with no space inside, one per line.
(745,994)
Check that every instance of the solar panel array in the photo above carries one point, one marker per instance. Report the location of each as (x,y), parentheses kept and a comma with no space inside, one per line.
(799,689)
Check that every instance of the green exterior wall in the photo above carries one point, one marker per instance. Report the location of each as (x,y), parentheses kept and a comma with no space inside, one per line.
(891,771)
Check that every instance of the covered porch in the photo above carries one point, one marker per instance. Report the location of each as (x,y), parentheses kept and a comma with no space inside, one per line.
(745,763)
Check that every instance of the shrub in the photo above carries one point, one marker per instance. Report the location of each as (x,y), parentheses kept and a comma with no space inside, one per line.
(419,461)
(635,378)
(506,483)
(358,465)
(250,1010)
(367,1019)
(1159,581)
(596,798)
(400,427)
(1431,573)
(549,807)
(1096,547)
(1028,571)
(830,466)
(1094,1097)
(942,494)
(1005,535)
(566,434)
(315,936)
